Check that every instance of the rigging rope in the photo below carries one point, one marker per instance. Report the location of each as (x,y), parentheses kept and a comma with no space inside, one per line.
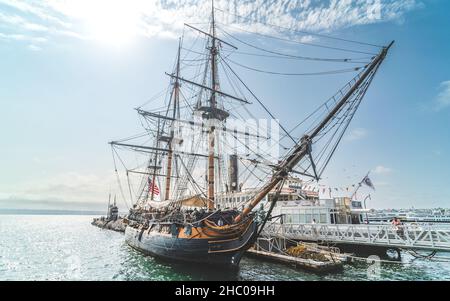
(295,57)
(358,102)
(118,178)
(301,31)
(272,205)
(341,121)
(297,74)
(129,186)
(325,104)
(286,40)
(259,101)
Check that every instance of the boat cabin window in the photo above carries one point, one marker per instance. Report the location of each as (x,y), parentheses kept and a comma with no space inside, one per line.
(356,204)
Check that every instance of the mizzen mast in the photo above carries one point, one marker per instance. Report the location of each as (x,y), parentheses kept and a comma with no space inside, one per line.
(155,167)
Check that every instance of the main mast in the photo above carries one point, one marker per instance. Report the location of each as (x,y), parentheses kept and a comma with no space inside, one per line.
(213,105)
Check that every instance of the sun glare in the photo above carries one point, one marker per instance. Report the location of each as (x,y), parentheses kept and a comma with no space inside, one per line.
(114,22)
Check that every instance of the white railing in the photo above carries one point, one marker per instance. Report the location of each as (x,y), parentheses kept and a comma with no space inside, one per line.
(426,237)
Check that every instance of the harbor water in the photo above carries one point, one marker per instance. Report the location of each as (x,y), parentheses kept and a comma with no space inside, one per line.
(68,247)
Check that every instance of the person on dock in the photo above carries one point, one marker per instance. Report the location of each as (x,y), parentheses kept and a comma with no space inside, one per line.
(396,222)
(398,227)
(313,227)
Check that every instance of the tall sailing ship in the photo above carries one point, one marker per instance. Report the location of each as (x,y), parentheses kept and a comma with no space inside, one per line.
(178,211)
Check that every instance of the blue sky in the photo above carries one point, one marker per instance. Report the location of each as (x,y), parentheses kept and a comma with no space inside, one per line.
(72,72)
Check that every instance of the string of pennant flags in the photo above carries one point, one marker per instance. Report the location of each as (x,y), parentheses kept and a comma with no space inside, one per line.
(324,188)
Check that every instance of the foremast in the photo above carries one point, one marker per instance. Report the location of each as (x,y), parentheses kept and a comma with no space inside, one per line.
(176,101)
(303,148)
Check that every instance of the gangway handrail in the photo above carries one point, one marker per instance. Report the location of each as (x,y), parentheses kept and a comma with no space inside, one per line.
(407,236)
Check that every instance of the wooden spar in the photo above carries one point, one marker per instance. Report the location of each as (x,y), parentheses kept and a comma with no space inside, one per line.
(198,124)
(146,173)
(211,140)
(156,149)
(301,150)
(256,162)
(175,104)
(154,169)
(209,35)
(211,170)
(213,90)
(169,172)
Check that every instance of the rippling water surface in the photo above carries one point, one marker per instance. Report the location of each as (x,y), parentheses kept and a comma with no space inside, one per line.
(40,247)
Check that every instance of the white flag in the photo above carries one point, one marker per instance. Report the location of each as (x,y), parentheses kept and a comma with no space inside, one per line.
(368,182)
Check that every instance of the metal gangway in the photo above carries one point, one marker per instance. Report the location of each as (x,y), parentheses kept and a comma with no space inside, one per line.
(407,236)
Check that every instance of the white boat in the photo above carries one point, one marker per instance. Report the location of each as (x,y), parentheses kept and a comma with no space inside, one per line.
(298,205)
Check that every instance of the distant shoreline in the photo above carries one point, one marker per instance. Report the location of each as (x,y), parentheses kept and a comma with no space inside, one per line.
(49,212)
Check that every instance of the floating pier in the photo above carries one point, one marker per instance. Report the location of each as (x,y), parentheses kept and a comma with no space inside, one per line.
(318,259)
(307,264)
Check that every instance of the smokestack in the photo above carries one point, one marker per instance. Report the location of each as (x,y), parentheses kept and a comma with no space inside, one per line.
(233,173)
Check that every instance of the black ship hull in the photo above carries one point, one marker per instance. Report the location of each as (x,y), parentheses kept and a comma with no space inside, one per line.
(191,250)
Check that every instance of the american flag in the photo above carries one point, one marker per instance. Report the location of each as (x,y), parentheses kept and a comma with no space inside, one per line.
(153,188)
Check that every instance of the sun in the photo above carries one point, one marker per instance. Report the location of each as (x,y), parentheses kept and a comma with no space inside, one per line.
(116,25)
(114,22)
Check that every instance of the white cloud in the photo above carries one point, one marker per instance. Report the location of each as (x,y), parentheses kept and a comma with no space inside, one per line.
(20,22)
(437,152)
(36,8)
(69,186)
(74,189)
(380,184)
(356,134)
(21,37)
(443,98)
(380,169)
(34,27)
(11,19)
(20,202)
(34,47)
(89,18)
